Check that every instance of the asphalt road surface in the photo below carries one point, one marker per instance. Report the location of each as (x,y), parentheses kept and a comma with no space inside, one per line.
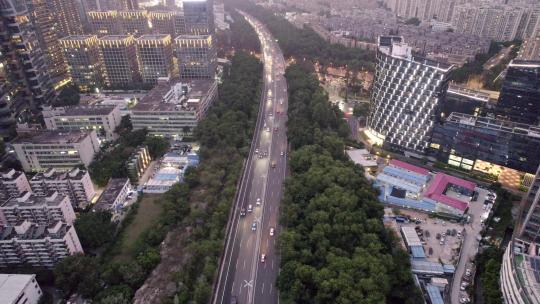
(244,275)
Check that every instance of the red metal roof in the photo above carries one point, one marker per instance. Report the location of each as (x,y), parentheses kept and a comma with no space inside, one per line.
(407,166)
(440,183)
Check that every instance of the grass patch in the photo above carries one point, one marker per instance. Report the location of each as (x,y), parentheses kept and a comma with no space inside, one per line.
(148,213)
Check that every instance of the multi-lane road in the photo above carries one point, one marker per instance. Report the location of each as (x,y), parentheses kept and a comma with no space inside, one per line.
(250,263)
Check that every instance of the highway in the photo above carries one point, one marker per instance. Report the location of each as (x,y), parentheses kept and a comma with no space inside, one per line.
(244,275)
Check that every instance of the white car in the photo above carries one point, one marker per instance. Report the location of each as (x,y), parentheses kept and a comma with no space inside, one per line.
(282,153)
(263,258)
(250,208)
(271,231)
(258,201)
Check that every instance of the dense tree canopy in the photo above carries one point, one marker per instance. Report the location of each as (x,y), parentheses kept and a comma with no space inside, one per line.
(334,248)
(306,43)
(95,229)
(69,96)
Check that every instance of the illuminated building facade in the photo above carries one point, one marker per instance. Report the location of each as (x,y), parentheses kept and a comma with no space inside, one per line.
(154,53)
(134,22)
(197,57)
(162,22)
(407,91)
(26,83)
(67,17)
(119,59)
(199,16)
(82,56)
(104,22)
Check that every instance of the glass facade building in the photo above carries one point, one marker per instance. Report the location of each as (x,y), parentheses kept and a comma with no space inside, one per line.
(199,16)
(155,57)
(197,56)
(82,56)
(119,59)
(463,140)
(406,97)
(520,94)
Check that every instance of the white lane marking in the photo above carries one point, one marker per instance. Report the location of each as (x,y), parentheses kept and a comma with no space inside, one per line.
(267,243)
(272,264)
(262,291)
(244,264)
(237,261)
(271,287)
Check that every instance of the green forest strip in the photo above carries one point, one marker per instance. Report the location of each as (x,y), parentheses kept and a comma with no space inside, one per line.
(305,42)
(334,247)
(199,207)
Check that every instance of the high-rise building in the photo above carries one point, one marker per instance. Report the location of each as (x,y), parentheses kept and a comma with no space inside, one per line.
(68,19)
(20,288)
(406,97)
(155,57)
(27,83)
(162,22)
(13,184)
(104,22)
(119,59)
(519,277)
(34,245)
(74,184)
(10,96)
(199,16)
(519,100)
(197,56)
(45,24)
(134,23)
(82,57)
(42,210)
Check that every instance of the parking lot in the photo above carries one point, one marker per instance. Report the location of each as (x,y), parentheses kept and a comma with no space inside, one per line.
(453,242)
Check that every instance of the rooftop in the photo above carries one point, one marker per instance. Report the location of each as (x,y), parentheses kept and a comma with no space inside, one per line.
(439,185)
(53,137)
(409,167)
(472,94)
(88,110)
(111,192)
(12,285)
(52,174)
(156,99)
(10,175)
(362,157)
(494,124)
(78,37)
(29,200)
(153,37)
(31,231)
(396,47)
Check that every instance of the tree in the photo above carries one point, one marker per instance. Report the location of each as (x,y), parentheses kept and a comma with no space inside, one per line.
(78,273)
(157,146)
(69,96)
(95,229)
(361,109)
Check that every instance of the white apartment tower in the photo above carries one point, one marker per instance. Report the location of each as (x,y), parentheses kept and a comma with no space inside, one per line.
(407,91)
(12,184)
(42,210)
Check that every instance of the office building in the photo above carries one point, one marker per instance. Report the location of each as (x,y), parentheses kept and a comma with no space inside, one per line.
(44,21)
(104,22)
(102,118)
(42,210)
(530,50)
(134,23)
(179,24)
(472,142)
(68,17)
(13,184)
(63,150)
(197,56)
(520,270)
(162,22)
(155,57)
(119,61)
(83,59)
(461,99)
(138,163)
(74,184)
(26,85)
(173,108)
(199,16)
(520,93)
(19,288)
(114,196)
(406,97)
(34,245)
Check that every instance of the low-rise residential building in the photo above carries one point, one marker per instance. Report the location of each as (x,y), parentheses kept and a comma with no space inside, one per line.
(42,210)
(173,108)
(63,150)
(75,184)
(409,186)
(37,245)
(12,184)
(19,288)
(472,142)
(138,163)
(102,118)
(114,196)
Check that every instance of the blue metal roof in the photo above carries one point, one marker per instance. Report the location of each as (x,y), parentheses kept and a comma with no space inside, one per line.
(434,294)
(423,266)
(418,252)
(448,268)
